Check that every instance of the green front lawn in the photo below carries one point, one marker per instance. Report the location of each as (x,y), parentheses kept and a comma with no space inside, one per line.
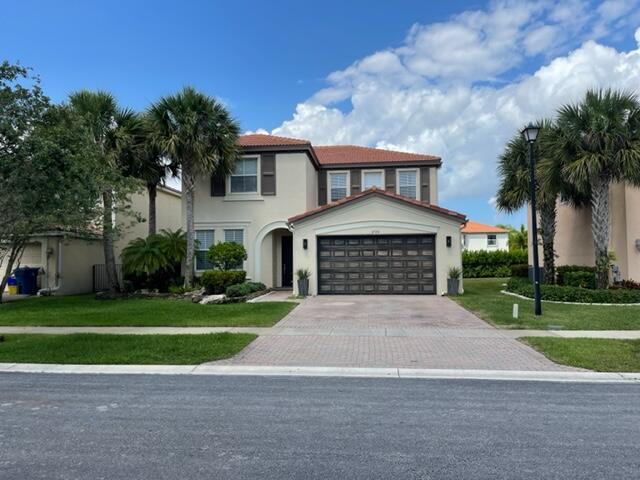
(482,296)
(600,354)
(86,348)
(85,310)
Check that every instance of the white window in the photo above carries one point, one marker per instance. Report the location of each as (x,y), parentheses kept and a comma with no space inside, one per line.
(234,235)
(204,239)
(372,178)
(491,241)
(244,178)
(408,183)
(338,185)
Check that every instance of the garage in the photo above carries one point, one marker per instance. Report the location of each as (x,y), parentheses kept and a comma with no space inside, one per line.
(377,264)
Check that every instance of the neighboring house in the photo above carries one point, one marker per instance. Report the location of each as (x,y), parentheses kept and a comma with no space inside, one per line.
(362,220)
(67,260)
(574,241)
(477,236)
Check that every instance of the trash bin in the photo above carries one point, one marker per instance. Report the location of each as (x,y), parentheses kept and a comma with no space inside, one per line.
(12,285)
(27,280)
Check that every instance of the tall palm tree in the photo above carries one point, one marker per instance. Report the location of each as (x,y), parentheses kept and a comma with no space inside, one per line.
(151,166)
(199,136)
(113,132)
(514,189)
(599,144)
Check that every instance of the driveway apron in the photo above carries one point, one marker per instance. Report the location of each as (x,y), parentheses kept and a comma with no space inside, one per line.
(408,331)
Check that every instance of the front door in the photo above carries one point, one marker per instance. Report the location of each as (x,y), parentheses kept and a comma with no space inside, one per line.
(287,261)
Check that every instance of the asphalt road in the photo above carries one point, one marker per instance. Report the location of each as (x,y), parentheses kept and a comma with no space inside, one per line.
(188,427)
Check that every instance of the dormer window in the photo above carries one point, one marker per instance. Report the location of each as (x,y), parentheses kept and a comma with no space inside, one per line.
(338,185)
(372,178)
(408,183)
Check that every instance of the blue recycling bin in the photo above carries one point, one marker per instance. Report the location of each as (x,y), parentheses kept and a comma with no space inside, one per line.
(27,280)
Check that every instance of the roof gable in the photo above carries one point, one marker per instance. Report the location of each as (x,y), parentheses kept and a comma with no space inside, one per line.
(383,194)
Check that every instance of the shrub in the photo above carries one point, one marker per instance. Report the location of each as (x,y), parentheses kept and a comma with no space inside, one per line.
(244,289)
(482,264)
(562,270)
(580,279)
(628,284)
(227,255)
(520,270)
(561,293)
(217,281)
(154,262)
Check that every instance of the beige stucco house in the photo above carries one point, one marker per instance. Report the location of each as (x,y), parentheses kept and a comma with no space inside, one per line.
(361,220)
(573,241)
(67,260)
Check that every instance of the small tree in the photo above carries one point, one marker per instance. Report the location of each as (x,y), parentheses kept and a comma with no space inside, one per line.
(47,162)
(227,255)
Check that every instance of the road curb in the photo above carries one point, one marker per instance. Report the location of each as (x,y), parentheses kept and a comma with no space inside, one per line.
(400,373)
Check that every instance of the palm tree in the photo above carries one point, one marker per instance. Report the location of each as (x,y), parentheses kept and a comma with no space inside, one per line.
(599,144)
(513,193)
(199,136)
(517,238)
(150,165)
(113,131)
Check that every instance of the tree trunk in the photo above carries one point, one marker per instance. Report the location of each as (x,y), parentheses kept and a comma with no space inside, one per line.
(548,232)
(153,191)
(187,191)
(17,247)
(108,239)
(600,228)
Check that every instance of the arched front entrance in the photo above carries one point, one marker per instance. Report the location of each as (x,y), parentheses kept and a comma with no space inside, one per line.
(274,256)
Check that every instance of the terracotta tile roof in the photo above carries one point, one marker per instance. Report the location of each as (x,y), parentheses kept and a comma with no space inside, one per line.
(263,140)
(383,193)
(352,154)
(475,227)
(337,154)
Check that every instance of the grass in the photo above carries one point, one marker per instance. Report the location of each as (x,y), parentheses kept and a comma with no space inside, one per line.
(85,310)
(602,355)
(482,296)
(85,348)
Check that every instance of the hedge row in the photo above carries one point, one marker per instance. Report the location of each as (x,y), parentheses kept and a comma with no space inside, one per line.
(561,293)
(244,289)
(482,264)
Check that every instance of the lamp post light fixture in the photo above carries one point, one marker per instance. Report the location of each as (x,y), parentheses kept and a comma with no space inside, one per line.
(530,134)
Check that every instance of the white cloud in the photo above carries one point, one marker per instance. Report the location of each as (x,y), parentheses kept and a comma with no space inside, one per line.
(431,95)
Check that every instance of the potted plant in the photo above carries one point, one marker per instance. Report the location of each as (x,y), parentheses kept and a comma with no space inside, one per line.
(303,275)
(453,282)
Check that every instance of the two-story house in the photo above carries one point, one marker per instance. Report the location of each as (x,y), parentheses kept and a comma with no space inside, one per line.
(362,220)
(478,236)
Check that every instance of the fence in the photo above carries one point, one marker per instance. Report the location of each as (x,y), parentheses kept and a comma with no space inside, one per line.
(100,282)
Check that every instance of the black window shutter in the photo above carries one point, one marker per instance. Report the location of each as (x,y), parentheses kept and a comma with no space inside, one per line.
(424,184)
(355,176)
(322,188)
(390,180)
(268,174)
(218,187)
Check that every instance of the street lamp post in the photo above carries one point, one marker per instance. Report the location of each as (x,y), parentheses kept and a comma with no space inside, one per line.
(530,134)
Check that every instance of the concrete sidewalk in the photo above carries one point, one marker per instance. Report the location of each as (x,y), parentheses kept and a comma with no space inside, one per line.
(400,373)
(334,331)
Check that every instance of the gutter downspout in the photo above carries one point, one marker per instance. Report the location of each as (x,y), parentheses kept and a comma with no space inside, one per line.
(50,290)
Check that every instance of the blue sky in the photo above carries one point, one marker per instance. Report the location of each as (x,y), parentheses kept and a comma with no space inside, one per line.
(453,78)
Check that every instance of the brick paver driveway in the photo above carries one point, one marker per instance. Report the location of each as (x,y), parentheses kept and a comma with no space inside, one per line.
(389,331)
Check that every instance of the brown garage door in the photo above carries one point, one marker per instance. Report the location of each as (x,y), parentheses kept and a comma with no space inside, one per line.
(385,264)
